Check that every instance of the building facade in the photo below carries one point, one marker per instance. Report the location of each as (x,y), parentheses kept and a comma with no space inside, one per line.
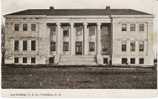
(79,37)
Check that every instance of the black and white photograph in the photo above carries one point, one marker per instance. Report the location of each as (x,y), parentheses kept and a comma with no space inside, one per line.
(79,44)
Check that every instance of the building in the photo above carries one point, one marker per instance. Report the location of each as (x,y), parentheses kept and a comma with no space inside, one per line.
(79,37)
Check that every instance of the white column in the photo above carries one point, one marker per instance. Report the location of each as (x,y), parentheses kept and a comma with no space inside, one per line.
(72,41)
(86,47)
(99,59)
(58,40)
(98,38)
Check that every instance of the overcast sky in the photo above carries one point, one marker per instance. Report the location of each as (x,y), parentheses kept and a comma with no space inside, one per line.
(150,6)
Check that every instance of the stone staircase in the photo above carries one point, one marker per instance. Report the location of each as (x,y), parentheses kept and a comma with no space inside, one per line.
(77,60)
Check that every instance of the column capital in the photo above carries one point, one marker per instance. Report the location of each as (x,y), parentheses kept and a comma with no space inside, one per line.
(98,23)
(72,24)
(85,23)
(58,23)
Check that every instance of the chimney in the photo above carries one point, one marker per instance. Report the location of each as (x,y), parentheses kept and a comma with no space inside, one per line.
(51,8)
(108,10)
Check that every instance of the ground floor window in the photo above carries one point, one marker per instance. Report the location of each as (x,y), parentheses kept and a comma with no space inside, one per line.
(66,46)
(51,60)
(105,60)
(132,60)
(91,46)
(53,46)
(16,60)
(141,60)
(24,59)
(124,60)
(33,60)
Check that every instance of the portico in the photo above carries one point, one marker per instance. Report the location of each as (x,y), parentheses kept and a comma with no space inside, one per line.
(77,39)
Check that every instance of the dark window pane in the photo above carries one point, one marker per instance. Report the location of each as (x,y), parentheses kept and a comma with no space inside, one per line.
(16,60)
(132,60)
(25,45)
(16,27)
(124,27)
(132,27)
(16,45)
(66,33)
(24,27)
(33,60)
(53,46)
(33,27)
(132,45)
(141,46)
(141,27)
(92,30)
(124,60)
(123,47)
(33,45)
(91,46)
(24,59)
(141,60)
(66,46)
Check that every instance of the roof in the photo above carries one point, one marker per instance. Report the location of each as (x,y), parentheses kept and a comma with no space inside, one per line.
(77,12)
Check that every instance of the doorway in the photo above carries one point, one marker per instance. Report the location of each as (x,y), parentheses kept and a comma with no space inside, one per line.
(78,48)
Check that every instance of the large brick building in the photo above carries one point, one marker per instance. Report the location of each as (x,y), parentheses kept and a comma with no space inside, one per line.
(79,37)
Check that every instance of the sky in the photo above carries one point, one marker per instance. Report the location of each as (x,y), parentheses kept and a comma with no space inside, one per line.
(149,6)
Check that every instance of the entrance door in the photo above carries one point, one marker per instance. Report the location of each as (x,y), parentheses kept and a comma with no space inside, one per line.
(78,48)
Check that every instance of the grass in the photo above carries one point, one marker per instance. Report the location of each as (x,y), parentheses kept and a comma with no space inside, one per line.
(78,78)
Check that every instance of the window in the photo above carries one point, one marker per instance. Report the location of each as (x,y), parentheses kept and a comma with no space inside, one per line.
(16,60)
(105,61)
(24,45)
(33,45)
(91,46)
(66,46)
(132,27)
(24,27)
(124,60)
(141,46)
(33,60)
(141,60)
(124,27)
(24,59)
(132,60)
(51,60)
(33,27)
(66,33)
(53,46)
(52,30)
(123,47)
(132,46)
(141,27)
(79,31)
(16,45)
(16,27)
(92,30)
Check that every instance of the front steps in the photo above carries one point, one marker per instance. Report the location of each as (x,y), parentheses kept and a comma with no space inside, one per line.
(77,60)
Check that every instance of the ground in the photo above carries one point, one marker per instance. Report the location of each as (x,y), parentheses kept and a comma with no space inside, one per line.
(78,77)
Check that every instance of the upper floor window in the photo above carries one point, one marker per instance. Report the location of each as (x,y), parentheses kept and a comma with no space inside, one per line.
(79,31)
(16,27)
(132,46)
(66,46)
(52,46)
(24,45)
(53,30)
(16,45)
(33,45)
(141,46)
(91,46)
(132,27)
(33,27)
(124,47)
(141,27)
(24,27)
(92,30)
(124,27)
(66,33)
